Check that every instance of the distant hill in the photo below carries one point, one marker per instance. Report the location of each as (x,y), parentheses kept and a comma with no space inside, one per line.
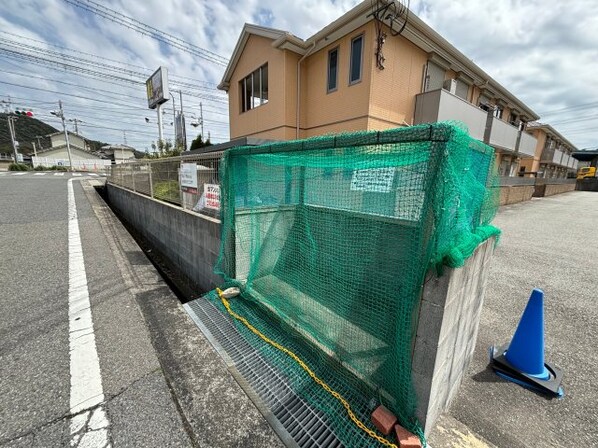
(26,130)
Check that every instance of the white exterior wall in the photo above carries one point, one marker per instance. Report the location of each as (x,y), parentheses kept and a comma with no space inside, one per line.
(76,154)
(76,140)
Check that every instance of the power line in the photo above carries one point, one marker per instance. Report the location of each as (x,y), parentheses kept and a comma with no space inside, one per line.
(63,62)
(573,107)
(147,30)
(127,64)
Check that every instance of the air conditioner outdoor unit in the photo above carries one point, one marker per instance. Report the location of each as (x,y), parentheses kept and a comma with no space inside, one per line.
(450,85)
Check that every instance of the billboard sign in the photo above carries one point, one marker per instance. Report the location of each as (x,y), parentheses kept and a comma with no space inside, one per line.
(157,88)
(189,177)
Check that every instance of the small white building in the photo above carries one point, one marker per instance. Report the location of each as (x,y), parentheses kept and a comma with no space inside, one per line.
(118,153)
(81,156)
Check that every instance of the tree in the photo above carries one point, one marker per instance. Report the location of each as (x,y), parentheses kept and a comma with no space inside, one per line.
(163,149)
(199,143)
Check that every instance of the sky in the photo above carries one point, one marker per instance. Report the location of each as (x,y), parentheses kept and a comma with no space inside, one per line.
(543,51)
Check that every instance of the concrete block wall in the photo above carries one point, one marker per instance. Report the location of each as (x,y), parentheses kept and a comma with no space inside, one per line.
(190,242)
(558,189)
(511,194)
(447,332)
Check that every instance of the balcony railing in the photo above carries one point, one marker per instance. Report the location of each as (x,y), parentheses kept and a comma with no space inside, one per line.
(503,135)
(441,105)
(557,157)
(527,145)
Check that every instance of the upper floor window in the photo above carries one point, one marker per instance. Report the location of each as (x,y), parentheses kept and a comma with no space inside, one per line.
(434,77)
(332,69)
(356,59)
(484,103)
(498,111)
(254,89)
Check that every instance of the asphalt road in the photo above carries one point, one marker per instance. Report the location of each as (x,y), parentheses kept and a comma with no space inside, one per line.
(35,370)
(548,243)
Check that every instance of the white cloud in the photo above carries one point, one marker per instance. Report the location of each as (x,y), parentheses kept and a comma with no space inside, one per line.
(542,51)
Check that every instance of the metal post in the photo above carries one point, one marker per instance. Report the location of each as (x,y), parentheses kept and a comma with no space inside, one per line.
(11,128)
(66,135)
(201,121)
(149,166)
(160,130)
(183,121)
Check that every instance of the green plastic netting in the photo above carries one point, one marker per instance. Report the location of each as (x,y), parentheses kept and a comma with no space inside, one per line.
(330,239)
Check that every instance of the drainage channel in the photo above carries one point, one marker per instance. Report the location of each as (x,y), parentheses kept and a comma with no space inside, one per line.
(293,419)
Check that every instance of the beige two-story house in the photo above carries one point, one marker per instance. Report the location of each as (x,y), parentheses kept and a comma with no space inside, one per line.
(365,71)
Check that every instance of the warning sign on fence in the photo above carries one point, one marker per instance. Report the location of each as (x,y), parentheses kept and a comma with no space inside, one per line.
(212,195)
(375,179)
(189,177)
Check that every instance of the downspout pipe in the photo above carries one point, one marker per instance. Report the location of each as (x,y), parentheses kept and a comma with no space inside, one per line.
(298,109)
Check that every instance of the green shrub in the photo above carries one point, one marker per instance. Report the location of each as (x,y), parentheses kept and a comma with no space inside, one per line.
(18,167)
(167,191)
(41,168)
(59,168)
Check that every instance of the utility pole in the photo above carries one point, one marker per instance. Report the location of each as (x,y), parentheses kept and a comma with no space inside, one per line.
(125,137)
(76,121)
(34,149)
(60,114)
(183,121)
(11,128)
(39,142)
(201,121)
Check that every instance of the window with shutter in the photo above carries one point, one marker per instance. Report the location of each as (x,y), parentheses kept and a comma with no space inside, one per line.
(435,77)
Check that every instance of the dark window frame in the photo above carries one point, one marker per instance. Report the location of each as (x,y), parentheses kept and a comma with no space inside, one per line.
(335,88)
(256,92)
(361,57)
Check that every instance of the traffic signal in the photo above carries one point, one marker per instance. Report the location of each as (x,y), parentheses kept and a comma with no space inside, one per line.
(24,113)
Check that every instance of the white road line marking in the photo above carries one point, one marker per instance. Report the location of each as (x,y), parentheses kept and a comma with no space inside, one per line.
(92,174)
(77,174)
(58,174)
(86,378)
(18,174)
(40,174)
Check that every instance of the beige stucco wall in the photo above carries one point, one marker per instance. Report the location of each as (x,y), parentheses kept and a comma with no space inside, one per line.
(346,108)
(534,164)
(268,120)
(393,90)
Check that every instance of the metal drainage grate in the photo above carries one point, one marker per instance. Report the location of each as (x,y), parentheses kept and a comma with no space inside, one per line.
(294,420)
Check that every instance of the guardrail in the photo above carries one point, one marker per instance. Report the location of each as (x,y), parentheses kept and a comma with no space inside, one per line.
(191,181)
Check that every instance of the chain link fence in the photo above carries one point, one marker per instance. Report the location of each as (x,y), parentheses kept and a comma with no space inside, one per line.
(190,182)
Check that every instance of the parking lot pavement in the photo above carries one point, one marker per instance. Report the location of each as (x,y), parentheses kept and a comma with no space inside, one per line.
(547,243)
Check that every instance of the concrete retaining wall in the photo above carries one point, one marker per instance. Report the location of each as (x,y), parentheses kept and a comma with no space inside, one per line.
(511,194)
(447,332)
(190,242)
(552,189)
(587,184)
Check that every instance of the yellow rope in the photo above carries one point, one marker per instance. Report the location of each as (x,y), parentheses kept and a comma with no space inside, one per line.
(304,366)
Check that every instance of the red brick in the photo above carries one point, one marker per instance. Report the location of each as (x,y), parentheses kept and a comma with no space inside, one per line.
(383,419)
(406,439)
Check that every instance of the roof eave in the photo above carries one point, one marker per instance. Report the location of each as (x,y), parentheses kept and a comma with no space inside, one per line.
(248,30)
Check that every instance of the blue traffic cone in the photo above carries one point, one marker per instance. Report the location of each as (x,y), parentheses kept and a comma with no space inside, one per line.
(526,350)
(522,361)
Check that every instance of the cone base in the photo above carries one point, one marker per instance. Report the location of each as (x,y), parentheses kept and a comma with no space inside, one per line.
(550,386)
